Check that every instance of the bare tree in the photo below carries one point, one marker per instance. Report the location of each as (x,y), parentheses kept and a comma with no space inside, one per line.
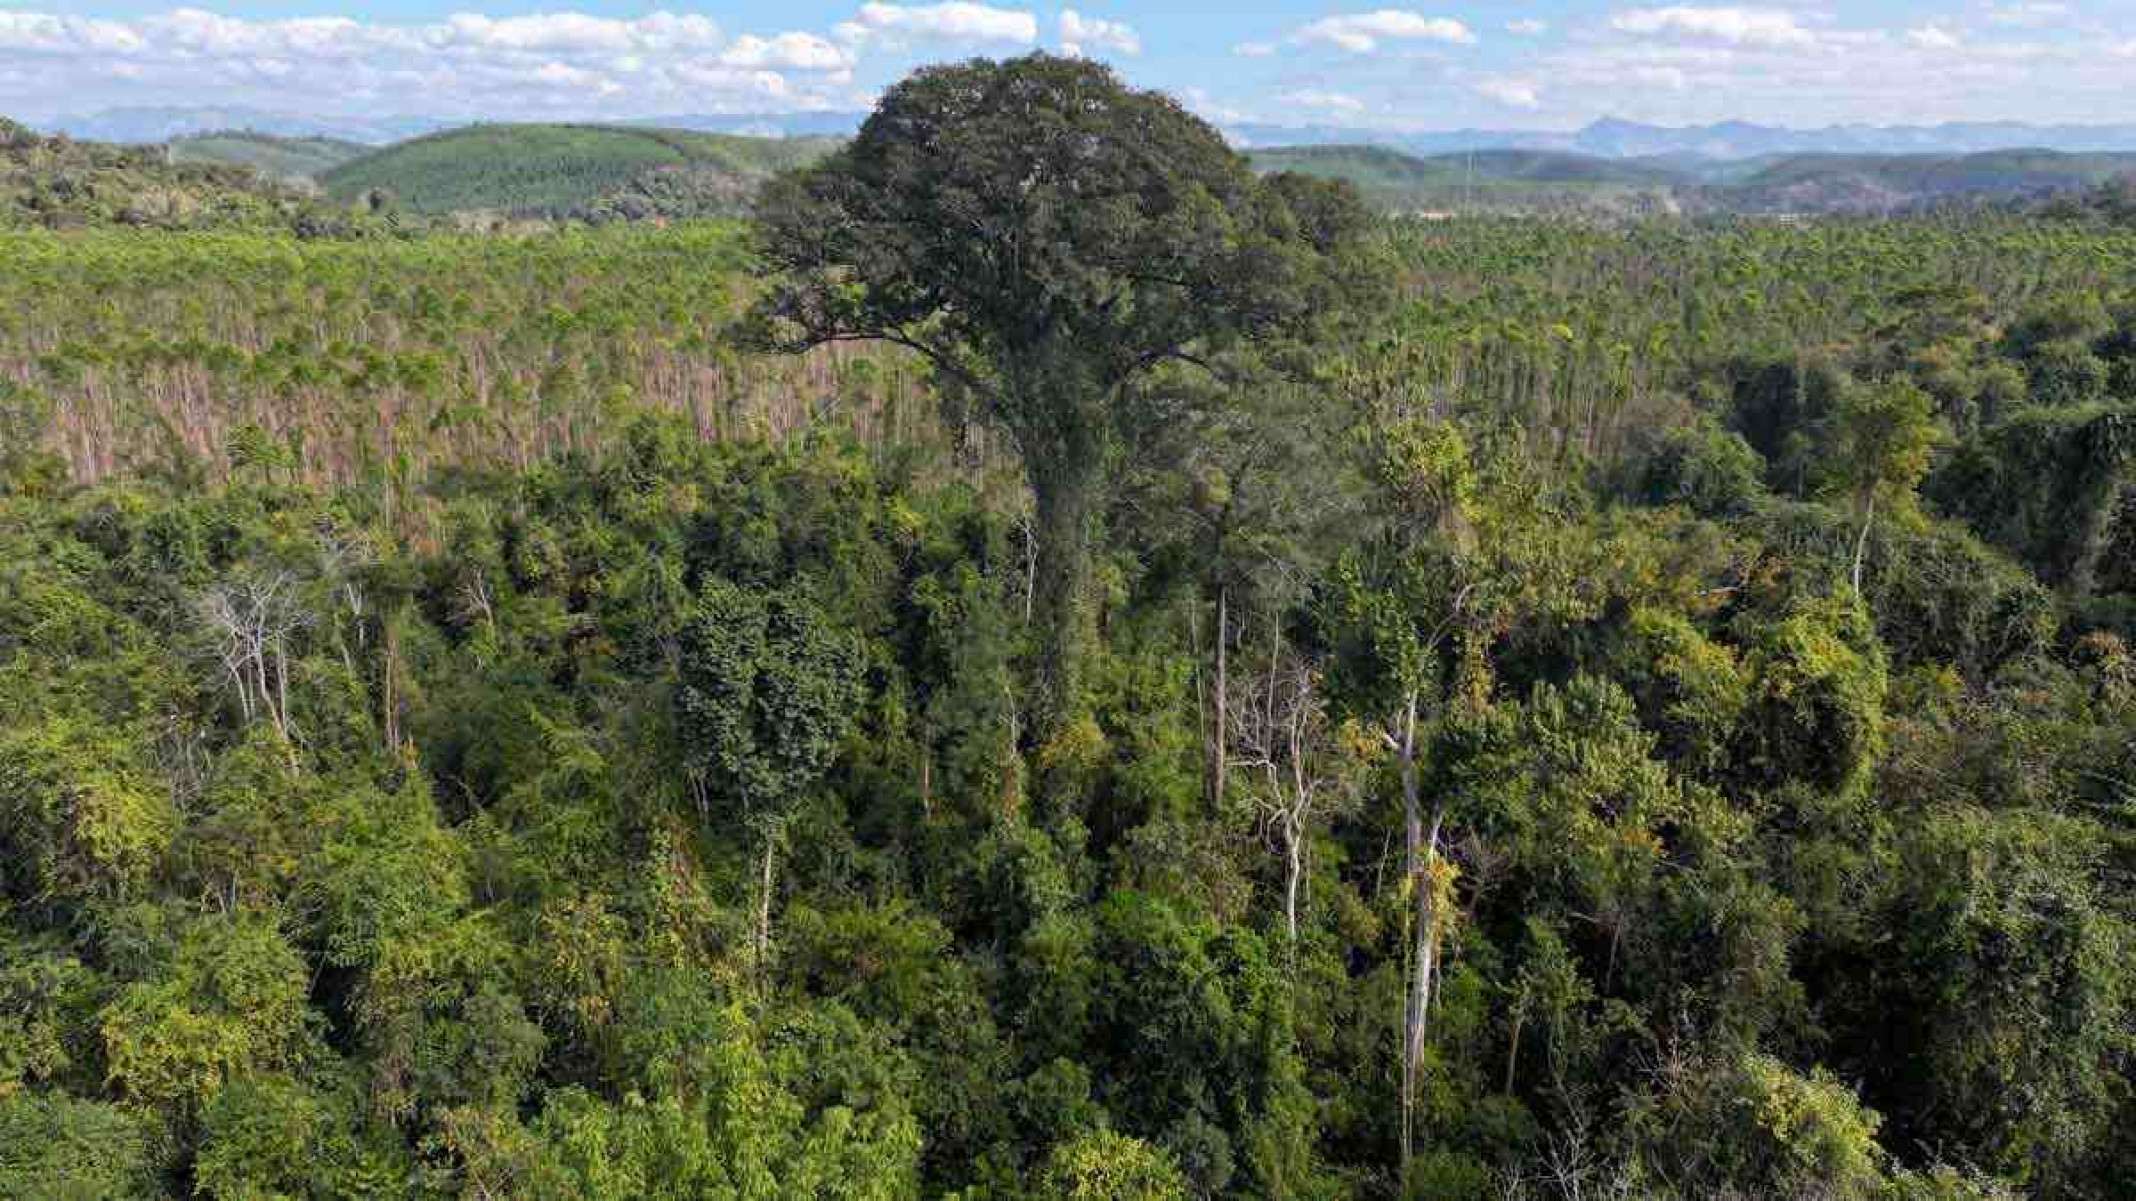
(342,558)
(253,619)
(1280,735)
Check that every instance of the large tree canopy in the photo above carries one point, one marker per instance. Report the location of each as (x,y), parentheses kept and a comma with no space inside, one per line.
(1044,236)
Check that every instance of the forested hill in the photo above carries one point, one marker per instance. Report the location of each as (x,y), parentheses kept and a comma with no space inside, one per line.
(275,157)
(61,183)
(1884,182)
(588,171)
(606,173)
(1518,180)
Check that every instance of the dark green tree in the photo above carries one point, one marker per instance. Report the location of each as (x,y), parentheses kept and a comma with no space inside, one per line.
(1047,238)
(768,690)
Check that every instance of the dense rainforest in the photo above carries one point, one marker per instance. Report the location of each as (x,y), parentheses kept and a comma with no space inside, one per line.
(1340,708)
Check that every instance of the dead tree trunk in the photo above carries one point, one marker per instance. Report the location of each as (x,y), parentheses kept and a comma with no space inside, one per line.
(763,913)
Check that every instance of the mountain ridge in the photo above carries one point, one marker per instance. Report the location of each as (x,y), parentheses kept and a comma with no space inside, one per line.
(1607,137)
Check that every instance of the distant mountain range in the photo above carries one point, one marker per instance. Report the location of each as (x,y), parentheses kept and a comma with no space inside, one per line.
(1608,138)
(145,125)
(1611,138)
(506,172)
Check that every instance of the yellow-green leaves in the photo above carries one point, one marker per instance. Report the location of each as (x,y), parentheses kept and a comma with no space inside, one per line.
(81,816)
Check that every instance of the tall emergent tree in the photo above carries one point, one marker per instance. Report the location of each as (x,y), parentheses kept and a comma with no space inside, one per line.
(1882,438)
(1047,237)
(768,689)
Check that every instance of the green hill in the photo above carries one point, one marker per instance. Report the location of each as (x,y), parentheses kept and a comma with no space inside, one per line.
(571,170)
(1814,182)
(1556,167)
(279,158)
(1372,168)
(60,183)
(1503,180)
(1537,180)
(1381,167)
(1997,170)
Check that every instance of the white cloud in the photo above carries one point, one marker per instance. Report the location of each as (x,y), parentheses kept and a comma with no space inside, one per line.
(579,33)
(790,51)
(544,64)
(1254,49)
(1326,101)
(1735,26)
(1528,27)
(44,33)
(1203,105)
(1938,70)
(1514,93)
(1362,33)
(1080,34)
(1668,79)
(2033,14)
(952,21)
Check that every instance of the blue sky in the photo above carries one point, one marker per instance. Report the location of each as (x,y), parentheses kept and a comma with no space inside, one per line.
(1552,64)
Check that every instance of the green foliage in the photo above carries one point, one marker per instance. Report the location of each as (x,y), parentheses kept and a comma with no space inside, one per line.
(1755,1127)
(232,1004)
(570,170)
(57,1148)
(427,663)
(274,157)
(58,183)
(1104,1166)
(768,689)
(1140,237)
(81,818)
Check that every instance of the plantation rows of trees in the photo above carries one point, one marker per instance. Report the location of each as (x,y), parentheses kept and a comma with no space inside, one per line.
(1047,666)
(590,172)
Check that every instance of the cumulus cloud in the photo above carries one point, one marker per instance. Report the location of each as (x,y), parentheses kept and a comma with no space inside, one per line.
(1315,98)
(466,64)
(1668,79)
(1528,27)
(2033,14)
(1081,34)
(788,51)
(1735,26)
(953,21)
(1362,33)
(1208,108)
(1514,93)
(1804,74)
(570,33)
(43,33)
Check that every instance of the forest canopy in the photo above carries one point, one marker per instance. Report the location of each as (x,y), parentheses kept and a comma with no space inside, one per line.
(1562,709)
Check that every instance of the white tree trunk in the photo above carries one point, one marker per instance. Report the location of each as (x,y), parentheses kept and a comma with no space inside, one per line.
(1861,544)
(1293,835)
(763,915)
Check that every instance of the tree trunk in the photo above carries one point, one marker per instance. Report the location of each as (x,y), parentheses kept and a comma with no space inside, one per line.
(390,708)
(1066,495)
(1513,1053)
(1218,760)
(763,914)
(1420,962)
(1861,544)
(1293,834)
